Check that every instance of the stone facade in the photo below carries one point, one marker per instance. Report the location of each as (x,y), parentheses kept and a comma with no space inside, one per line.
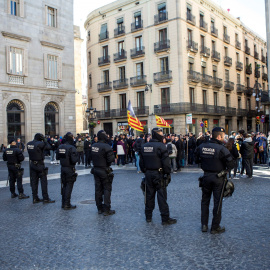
(195,60)
(37,74)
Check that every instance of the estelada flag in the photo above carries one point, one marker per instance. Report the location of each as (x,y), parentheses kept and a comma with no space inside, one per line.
(161,122)
(132,119)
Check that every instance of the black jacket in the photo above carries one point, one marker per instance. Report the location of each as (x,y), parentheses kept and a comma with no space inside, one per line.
(138,145)
(102,154)
(234,152)
(13,155)
(247,149)
(67,154)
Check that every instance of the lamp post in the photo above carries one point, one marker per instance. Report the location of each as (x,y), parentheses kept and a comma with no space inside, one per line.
(91,115)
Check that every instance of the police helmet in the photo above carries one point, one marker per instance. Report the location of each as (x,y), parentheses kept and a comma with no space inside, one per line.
(156,135)
(39,137)
(102,136)
(229,189)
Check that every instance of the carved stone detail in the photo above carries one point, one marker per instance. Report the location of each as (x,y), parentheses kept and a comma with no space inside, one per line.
(6,95)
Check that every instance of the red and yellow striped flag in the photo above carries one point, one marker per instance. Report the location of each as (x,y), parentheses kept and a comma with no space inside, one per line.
(161,122)
(134,123)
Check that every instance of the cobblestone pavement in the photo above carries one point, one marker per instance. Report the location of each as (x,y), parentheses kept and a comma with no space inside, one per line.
(47,237)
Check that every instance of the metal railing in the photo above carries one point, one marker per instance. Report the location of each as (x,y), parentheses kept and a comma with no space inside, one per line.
(257,74)
(120,31)
(214,31)
(241,112)
(161,17)
(137,52)
(263,59)
(247,50)
(229,111)
(240,88)
(205,51)
(203,25)
(256,55)
(104,36)
(249,90)
(229,85)
(265,76)
(104,60)
(238,44)
(120,56)
(192,46)
(227,61)
(226,38)
(120,84)
(248,69)
(162,46)
(136,26)
(163,76)
(239,65)
(206,79)
(215,56)
(191,18)
(138,80)
(104,87)
(217,82)
(194,76)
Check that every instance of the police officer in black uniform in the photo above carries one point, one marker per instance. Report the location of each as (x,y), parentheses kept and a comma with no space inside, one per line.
(155,163)
(68,156)
(38,170)
(102,157)
(214,158)
(14,157)
(87,151)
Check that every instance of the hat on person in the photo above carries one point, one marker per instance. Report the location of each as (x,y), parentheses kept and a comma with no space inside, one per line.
(11,141)
(218,129)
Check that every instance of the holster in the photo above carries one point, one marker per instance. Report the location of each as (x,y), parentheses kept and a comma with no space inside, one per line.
(200,179)
(74,175)
(20,172)
(110,174)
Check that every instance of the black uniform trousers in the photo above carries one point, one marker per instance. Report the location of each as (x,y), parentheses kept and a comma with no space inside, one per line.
(103,189)
(37,171)
(87,154)
(13,177)
(68,177)
(248,165)
(211,184)
(81,157)
(153,179)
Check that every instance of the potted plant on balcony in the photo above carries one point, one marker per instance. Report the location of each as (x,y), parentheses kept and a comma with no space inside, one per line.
(92,125)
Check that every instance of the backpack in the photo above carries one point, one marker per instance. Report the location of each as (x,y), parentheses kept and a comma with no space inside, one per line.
(169,148)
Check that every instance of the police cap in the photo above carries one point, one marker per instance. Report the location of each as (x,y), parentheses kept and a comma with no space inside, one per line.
(218,129)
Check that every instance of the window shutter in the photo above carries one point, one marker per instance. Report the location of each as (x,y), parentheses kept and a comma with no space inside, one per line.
(137,14)
(59,68)
(161,6)
(21,3)
(45,66)
(8,7)
(8,59)
(25,62)
(46,15)
(121,20)
(55,17)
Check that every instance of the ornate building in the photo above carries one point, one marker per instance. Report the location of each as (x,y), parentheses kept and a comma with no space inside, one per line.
(37,68)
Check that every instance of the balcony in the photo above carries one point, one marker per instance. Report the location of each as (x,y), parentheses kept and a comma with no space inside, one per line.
(120,56)
(162,46)
(217,82)
(163,76)
(239,66)
(263,59)
(141,111)
(265,97)
(227,61)
(186,107)
(206,79)
(104,36)
(205,51)
(191,19)
(138,81)
(238,45)
(104,87)
(226,38)
(104,60)
(240,88)
(192,46)
(19,80)
(265,76)
(161,18)
(257,74)
(136,26)
(249,91)
(241,112)
(203,25)
(229,85)
(137,52)
(214,31)
(248,69)
(106,114)
(215,56)
(120,84)
(120,31)
(229,111)
(247,50)
(252,113)
(256,55)
(194,76)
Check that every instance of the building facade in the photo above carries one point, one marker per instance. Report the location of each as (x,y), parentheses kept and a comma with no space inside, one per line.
(173,58)
(37,68)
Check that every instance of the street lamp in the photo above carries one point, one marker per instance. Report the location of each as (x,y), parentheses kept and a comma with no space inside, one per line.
(91,115)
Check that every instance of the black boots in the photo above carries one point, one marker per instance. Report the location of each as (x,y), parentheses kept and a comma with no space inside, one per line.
(218,230)
(23,196)
(37,200)
(48,201)
(69,207)
(204,228)
(109,213)
(170,221)
(14,195)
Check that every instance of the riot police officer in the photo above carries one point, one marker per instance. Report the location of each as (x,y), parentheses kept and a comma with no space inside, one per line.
(102,157)
(155,163)
(14,157)
(68,157)
(214,158)
(38,170)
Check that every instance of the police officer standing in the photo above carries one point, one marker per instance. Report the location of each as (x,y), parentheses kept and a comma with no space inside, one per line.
(87,151)
(14,157)
(38,170)
(156,165)
(102,157)
(68,157)
(214,158)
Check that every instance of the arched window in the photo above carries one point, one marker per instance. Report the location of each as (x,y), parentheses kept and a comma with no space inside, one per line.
(51,119)
(15,120)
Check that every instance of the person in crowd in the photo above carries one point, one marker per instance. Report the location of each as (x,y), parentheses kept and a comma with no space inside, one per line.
(115,141)
(191,147)
(200,139)
(121,151)
(262,140)
(87,151)
(20,144)
(231,146)
(80,148)
(172,151)
(238,142)
(180,148)
(137,148)
(247,151)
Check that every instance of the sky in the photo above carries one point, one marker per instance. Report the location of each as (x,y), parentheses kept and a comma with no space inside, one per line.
(251,13)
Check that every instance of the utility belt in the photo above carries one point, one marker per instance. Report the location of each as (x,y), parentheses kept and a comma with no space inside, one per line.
(41,162)
(108,170)
(160,170)
(17,165)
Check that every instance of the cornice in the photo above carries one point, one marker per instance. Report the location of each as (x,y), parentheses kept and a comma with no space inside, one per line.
(52,45)
(15,36)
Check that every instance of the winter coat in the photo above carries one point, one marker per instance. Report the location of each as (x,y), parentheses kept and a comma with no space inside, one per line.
(234,152)
(138,145)
(121,148)
(174,150)
(79,146)
(180,149)
(246,149)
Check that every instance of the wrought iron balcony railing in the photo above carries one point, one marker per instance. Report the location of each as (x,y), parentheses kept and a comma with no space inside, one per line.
(104,36)
(194,76)
(248,69)
(120,31)
(104,87)
(161,17)
(217,82)
(247,50)
(229,111)
(229,85)
(256,55)
(161,46)
(192,46)
(240,88)
(263,59)
(104,60)
(191,18)
(206,79)
(257,74)
(205,51)
(136,26)
(137,52)
(120,84)
(120,56)
(138,80)
(249,91)
(163,76)
(214,31)
(215,56)
(227,61)
(265,76)
(241,112)
(203,26)
(238,44)
(226,38)
(239,65)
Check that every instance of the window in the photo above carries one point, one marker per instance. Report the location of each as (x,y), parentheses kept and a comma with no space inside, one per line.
(238,78)
(189,36)
(215,99)
(107,104)
(91,102)
(13,7)
(139,69)
(122,74)
(189,9)
(191,95)
(165,96)
(248,82)
(237,57)
(213,45)
(236,37)
(15,61)
(90,80)
(224,30)
(103,32)
(247,61)
(263,86)
(121,47)
(89,58)
(138,43)
(214,71)
(212,25)
(246,42)
(140,99)
(51,14)
(105,53)
(202,41)
(52,67)
(123,101)
(204,97)
(202,20)
(248,104)
(88,36)
(16,7)
(226,51)
(51,117)
(120,25)
(227,75)
(255,48)
(227,101)
(106,76)
(203,64)
(162,9)
(138,19)
(163,35)
(164,64)
(239,103)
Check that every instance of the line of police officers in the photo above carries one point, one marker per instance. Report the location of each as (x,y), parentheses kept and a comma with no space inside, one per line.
(154,162)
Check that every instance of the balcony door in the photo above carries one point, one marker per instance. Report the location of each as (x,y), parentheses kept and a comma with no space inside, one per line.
(138,43)
(139,71)
(140,103)
(165,99)
(107,106)
(163,35)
